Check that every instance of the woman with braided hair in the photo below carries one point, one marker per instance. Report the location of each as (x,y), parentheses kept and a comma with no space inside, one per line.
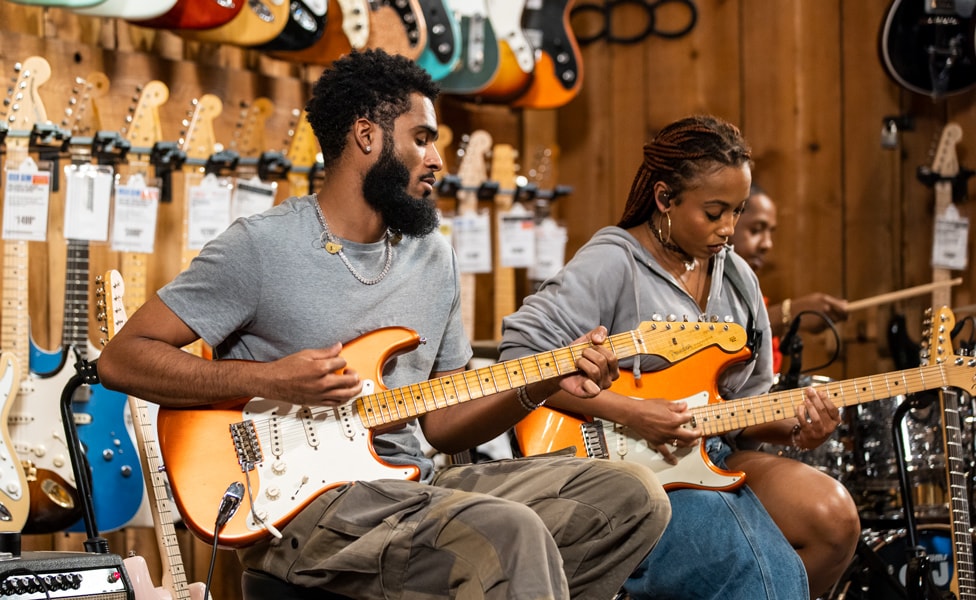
(790,531)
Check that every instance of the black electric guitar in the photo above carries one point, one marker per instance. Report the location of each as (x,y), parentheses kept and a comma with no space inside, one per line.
(926,46)
(937,350)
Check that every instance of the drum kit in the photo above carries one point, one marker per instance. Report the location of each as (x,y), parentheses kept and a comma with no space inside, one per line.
(863,455)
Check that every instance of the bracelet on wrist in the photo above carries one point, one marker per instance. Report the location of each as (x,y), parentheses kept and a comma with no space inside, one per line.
(793,433)
(523,397)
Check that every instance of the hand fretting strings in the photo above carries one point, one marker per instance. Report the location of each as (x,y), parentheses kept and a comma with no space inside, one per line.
(722,417)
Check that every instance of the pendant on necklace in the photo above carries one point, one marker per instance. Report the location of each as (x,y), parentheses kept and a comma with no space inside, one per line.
(333,247)
(690,266)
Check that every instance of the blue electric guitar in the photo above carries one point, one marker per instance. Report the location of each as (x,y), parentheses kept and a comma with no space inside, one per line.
(100,414)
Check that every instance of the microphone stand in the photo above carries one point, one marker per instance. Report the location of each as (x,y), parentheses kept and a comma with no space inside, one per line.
(86,374)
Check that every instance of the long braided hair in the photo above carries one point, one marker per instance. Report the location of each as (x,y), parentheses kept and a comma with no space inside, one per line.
(678,154)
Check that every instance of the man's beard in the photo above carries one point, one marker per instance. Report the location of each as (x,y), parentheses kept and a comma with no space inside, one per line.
(385,189)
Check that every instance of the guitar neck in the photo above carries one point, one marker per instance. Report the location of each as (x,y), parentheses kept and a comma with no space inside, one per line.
(722,417)
(963,582)
(76,298)
(174,574)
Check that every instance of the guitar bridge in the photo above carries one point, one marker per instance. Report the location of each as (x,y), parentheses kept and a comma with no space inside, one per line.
(594,440)
(246,444)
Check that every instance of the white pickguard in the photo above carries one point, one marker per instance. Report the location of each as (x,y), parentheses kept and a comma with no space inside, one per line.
(691,469)
(35,423)
(305,453)
(10,468)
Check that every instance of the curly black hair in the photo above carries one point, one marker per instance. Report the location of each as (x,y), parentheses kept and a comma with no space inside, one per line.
(678,153)
(371,84)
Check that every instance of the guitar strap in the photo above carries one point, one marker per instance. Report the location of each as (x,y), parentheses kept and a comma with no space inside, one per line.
(753,333)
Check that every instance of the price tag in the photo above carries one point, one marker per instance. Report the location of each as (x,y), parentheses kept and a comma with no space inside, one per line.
(550,249)
(134,216)
(25,203)
(252,196)
(516,237)
(950,240)
(87,200)
(472,241)
(209,211)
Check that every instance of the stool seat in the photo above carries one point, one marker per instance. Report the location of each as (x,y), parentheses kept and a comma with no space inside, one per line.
(256,585)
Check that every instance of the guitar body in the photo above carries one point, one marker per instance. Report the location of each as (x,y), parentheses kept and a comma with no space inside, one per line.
(343,16)
(195,14)
(558,74)
(305,26)
(443,49)
(927,48)
(116,473)
(516,56)
(397,27)
(546,429)
(300,450)
(38,436)
(480,58)
(142,583)
(259,22)
(14,500)
(60,3)
(129,9)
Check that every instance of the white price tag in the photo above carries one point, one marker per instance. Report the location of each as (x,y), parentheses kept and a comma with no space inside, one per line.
(134,217)
(209,211)
(516,237)
(87,199)
(472,241)
(25,203)
(252,196)
(550,250)
(950,240)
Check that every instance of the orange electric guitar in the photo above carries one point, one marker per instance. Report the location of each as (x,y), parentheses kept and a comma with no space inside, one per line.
(558,74)
(288,454)
(346,29)
(694,380)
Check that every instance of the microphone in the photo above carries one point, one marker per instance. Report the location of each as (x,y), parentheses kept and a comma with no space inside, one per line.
(230,502)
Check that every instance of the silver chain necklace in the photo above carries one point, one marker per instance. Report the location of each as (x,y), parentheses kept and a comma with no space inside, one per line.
(333,246)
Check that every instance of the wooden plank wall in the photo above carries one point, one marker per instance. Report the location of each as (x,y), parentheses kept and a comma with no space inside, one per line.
(801,77)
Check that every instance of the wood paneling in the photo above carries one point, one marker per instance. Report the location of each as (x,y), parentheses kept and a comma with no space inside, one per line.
(802,78)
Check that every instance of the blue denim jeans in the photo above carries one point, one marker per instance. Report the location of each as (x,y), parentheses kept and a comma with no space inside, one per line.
(721,545)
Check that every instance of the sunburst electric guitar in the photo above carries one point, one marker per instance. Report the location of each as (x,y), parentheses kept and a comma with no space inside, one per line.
(694,380)
(288,454)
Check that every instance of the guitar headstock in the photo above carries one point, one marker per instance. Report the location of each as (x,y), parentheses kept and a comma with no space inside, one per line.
(142,128)
(946,163)
(674,340)
(24,106)
(936,336)
(503,169)
(81,115)
(112,315)
(249,134)
(304,146)
(473,168)
(199,140)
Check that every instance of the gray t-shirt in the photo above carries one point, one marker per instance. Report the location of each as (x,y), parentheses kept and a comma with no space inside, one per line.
(266,288)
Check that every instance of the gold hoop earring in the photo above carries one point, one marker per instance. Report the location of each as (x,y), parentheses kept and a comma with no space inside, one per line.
(660,234)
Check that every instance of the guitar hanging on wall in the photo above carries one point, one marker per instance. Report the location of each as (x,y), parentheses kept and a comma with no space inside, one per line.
(926,46)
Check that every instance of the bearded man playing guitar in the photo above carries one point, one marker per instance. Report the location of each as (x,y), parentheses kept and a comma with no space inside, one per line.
(281,293)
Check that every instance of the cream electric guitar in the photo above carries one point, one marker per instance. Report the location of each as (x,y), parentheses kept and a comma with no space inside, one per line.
(288,454)
(472,171)
(34,421)
(694,380)
(113,317)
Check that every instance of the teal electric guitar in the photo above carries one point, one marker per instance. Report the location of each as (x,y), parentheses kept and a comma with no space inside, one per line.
(443,50)
(479,60)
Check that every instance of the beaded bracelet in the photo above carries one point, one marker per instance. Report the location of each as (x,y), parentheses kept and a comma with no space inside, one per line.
(793,432)
(525,401)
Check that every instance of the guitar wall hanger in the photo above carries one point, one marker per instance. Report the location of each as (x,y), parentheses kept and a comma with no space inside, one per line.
(891,126)
(50,142)
(109,147)
(959,181)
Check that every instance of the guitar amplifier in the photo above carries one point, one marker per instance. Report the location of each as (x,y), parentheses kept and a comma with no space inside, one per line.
(81,575)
